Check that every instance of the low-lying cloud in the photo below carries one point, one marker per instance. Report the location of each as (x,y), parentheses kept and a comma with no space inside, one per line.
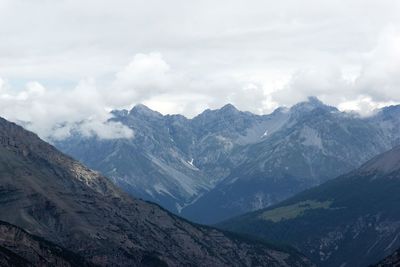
(56,113)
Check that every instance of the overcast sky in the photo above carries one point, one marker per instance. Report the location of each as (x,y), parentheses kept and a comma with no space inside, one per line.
(63,62)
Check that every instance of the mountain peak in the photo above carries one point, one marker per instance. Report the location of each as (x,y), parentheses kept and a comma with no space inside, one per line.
(310,104)
(226,110)
(229,107)
(311,101)
(314,100)
(143,110)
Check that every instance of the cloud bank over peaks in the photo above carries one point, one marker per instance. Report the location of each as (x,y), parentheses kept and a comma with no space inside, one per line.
(375,83)
(56,113)
(149,79)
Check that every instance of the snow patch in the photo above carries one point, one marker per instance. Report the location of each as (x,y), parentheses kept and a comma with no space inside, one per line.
(264,134)
(190,165)
(179,207)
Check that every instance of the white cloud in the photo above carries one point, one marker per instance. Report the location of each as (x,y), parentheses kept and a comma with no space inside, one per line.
(380,75)
(375,84)
(328,84)
(256,56)
(364,105)
(146,75)
(149,79)
(56,113)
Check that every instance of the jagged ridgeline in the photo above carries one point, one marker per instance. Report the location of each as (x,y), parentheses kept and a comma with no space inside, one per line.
(57,212)
(226,162)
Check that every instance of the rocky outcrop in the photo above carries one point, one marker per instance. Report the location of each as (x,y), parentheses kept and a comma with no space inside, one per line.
(390,261)
(19,248)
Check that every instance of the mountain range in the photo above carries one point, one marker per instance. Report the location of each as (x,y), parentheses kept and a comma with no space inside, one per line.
(352,220)
(56,212)
(225,162)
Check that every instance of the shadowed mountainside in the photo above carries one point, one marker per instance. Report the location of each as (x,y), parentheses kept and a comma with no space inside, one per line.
(353,220)
(54,197)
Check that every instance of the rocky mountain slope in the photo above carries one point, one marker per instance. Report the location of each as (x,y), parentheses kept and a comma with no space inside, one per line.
(54,197)
(391,261)
(226,162)
(19,248)
(171,160)
(353,220)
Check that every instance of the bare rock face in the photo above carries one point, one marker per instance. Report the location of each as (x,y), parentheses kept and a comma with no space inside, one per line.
(19,248)
(54,197)
(390,261)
